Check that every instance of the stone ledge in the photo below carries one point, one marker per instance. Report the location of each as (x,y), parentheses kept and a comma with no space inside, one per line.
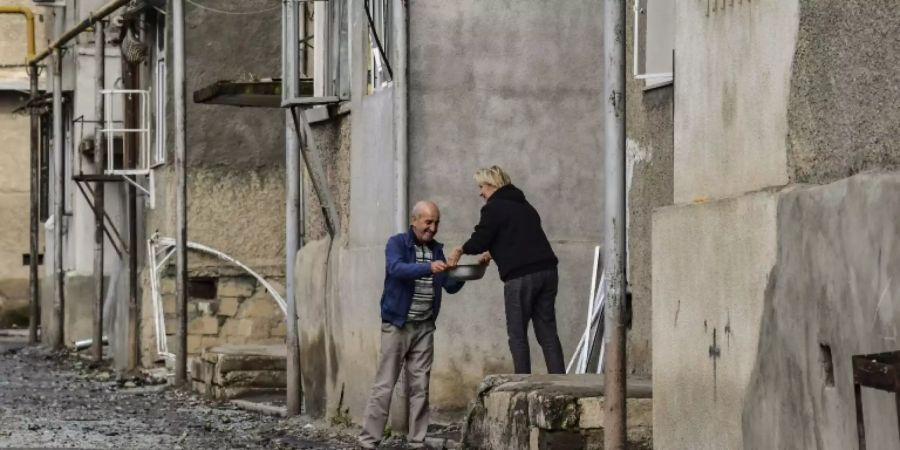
(543,412)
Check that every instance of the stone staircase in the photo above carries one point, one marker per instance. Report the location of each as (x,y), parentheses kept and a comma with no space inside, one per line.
(238,371)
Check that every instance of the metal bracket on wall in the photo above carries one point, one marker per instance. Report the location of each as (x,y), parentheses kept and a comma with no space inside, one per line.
(118,243)
(312,157)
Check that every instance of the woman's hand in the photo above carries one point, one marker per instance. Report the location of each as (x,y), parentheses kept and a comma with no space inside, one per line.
(485,258)
(453,259)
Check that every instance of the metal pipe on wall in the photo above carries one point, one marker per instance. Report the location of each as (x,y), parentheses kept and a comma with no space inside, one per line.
(59,179)
(99,190)
(401,103)
(34,310)
(290,83)
(66,35)
(29,25)
(614,436)
(181,235)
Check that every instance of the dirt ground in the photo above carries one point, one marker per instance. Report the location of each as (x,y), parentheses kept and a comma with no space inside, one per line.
(50,400)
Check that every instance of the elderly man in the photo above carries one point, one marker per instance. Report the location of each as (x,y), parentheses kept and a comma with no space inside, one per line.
(414,278)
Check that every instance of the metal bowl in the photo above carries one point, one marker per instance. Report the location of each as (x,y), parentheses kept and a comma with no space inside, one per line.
(465,272)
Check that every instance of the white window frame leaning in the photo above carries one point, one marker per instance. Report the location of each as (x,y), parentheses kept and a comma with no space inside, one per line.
(378,75)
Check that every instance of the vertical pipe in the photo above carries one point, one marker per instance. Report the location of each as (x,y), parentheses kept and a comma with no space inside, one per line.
(180,192)
(614,226)
(401,154)
(400,33)
(130,79)
(34,307)
(59,179)
(292,162)
(99,152)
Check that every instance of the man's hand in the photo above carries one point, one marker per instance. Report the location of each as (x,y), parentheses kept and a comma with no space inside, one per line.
(438,266)
(453,259)
(484,258)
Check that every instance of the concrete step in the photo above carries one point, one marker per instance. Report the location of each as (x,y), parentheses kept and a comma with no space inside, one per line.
(235,371)
(548,412)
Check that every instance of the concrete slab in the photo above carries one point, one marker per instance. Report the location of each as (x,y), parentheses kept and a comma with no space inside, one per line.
(542,412)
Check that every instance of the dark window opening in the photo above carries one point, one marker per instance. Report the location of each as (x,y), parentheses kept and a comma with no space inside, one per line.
(202,288)
(827,363)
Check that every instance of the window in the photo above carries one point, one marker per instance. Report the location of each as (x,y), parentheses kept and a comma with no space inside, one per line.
(380,43)
(159,93)
(333,22)
(654,41)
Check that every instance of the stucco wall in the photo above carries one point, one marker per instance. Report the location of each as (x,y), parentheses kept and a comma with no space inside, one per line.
(14,204)
(732,73)
(235,156)
(649,153)
(711,264)
(843,107)
(834,284)
(515,84)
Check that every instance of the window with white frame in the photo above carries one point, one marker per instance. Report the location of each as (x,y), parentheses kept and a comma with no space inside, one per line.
(159,92)
(332,21)
(378,14)
(654,41)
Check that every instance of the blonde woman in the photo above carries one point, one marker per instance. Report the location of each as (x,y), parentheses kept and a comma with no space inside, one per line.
(510,232)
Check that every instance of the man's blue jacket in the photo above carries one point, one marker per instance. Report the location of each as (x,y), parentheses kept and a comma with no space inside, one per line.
(401,271)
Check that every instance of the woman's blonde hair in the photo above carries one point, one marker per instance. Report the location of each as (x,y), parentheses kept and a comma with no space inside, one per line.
(492,176)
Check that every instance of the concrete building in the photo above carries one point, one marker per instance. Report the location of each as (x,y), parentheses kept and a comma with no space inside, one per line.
(14,172)
(774,265)
(235,184)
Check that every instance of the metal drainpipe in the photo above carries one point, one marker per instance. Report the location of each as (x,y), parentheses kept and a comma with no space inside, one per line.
(34,311)
(614,164)
(181,235)
(400,405)
(290,86)
(59,179)
(401,103)
(99,190)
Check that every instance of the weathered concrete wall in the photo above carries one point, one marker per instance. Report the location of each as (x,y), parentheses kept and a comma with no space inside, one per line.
(649,154)
(235,176)
(13,48)
(14,207)
(834,284)
(235,155)
(843,111)
(519,85)
(733,76)
(711,264)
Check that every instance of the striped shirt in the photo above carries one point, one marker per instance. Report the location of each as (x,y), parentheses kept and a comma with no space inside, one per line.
(423,296)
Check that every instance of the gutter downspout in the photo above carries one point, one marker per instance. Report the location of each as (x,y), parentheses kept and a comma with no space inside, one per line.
(34,310)
(99,190)
(400,405)
(614,224)
(181,235)
(59,179)
(290,86)
(401,114)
